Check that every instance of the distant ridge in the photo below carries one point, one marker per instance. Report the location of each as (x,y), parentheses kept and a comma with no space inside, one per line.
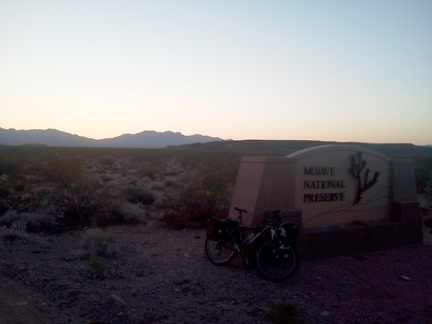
(286,147)
(178,141)
(145,139)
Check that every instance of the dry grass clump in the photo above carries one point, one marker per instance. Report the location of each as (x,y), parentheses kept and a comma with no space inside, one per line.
(99,242)
(98,267)
(101,247)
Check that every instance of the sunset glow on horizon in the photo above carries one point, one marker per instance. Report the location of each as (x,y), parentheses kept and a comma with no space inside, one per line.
(345,71)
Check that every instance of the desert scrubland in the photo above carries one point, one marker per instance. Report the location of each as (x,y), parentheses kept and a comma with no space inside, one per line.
(116,236)
(57,188)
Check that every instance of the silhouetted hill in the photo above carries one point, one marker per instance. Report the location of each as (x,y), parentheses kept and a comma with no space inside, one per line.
(172,140)
(50,137)
(152,139)
(285,147)
(53,137)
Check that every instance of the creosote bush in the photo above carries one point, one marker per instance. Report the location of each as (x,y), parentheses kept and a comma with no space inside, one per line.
(136,195)
(30,222)
(423,174)
(16,194)
(207,194)
(129,213)
(81,203)
(65,170)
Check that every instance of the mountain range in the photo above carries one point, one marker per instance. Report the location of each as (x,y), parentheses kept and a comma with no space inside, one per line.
(173,140)
(145,139)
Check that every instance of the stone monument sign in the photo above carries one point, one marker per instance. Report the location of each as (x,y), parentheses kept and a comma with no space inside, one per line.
(327,186)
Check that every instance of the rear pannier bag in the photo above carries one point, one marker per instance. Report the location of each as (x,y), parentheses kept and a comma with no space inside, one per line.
(218,230)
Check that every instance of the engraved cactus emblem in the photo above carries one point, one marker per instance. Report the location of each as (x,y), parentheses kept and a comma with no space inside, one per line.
(363,181)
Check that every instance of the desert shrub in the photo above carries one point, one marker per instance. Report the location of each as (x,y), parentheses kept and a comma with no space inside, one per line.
(97,267)
(64,170)
(13,220)
(423,174)
(106,178)
(424,187)
(12,234)
(207,194)
(283,313)
(99,242)
(169,183)
(171,173)
(6,198)
(152,171)
(21,196)
(123,213)
(41,198)
(81,203)
(16,159)
(18,232)
(43,223)
(115,217)
(107,161)
(29,222)
(156,186)
(15,195)
(131,213)
(7,163)
(100,246)
(136,195)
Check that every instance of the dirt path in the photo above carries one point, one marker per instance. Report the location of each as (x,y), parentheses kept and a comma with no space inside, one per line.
(163,276)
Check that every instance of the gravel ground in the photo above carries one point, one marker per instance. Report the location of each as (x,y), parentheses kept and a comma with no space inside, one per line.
(162,276)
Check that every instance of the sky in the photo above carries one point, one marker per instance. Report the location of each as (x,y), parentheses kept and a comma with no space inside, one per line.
(291,70)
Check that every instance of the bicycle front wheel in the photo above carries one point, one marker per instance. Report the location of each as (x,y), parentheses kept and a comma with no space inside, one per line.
(277,261)
(219,252)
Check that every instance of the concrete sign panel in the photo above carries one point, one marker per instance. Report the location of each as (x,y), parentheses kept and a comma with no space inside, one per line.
(341,184)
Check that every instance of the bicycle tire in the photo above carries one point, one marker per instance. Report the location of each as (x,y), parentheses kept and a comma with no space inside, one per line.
(219,252)
(277,261)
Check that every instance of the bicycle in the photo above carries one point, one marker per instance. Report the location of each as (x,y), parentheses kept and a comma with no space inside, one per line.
(276,256)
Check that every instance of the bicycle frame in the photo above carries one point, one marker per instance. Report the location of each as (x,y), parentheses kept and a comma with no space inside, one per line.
(273,230)
(273,243)
(286,231)
(234,230)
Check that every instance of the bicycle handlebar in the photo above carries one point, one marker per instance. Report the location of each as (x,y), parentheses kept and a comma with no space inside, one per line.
(240,210)
(275,214)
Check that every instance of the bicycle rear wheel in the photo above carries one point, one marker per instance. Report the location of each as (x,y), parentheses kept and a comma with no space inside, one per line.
(219,252)
(277,261)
